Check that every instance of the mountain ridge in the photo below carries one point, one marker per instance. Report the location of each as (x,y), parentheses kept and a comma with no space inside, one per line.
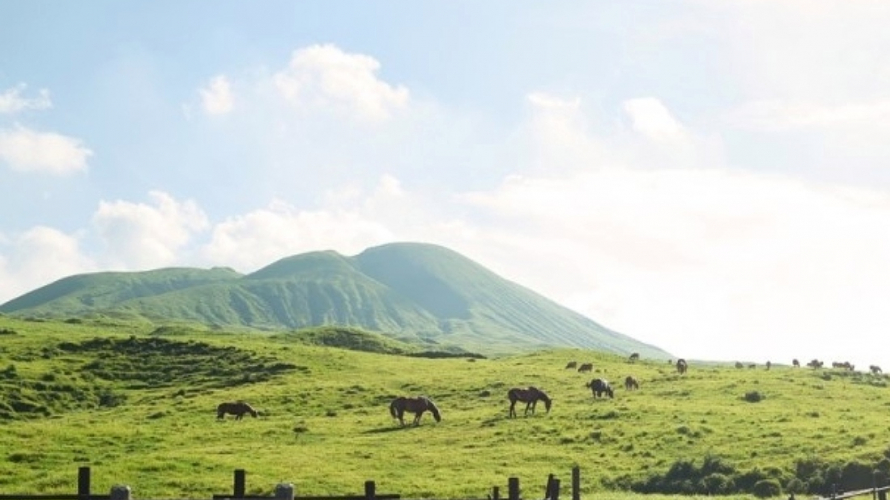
(411,291)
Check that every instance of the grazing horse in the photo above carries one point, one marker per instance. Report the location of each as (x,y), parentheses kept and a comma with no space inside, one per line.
(682,366)
(633,357)
(530,397)
(599,386)
(738,364)
(417,406)
(571,364)
(630,383)
(768,365)
(875,369)
(237,408)
(586,367)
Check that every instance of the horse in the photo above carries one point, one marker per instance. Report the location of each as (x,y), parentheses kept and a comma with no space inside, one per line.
(682,366)
(633,357)
(530,397)
(237,408)
(586,367)
(630,383)
(599,386)
(795,362)
(571,364)
(875,369)
(417,406)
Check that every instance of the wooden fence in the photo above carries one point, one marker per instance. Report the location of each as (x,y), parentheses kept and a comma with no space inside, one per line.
(286,491)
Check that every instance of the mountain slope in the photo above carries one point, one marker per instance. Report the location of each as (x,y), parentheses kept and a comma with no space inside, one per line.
(412,291)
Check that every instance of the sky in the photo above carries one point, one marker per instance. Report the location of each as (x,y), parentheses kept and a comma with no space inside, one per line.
(710,177)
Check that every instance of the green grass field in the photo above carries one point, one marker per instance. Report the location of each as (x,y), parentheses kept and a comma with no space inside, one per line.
(139,409)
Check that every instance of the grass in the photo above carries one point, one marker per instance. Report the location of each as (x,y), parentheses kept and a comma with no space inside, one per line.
(139,408)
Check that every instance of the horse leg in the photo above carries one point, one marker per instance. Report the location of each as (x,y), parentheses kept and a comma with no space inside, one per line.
(417,418)
(402,417)
(512,409)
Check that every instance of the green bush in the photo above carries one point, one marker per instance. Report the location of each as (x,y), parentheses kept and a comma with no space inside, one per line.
(766,488)
(754,397)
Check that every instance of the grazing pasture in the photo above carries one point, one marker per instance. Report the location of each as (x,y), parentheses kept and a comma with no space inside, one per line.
(138,404)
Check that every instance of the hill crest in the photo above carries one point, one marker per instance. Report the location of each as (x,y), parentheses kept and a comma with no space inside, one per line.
(411,291)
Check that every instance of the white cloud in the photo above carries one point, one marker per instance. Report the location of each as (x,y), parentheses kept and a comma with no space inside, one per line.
(11,100)
(324,77)
(140,236)
(217,98)
(780,115)
(37,257)
(27,150)
(351,221)
(652,119)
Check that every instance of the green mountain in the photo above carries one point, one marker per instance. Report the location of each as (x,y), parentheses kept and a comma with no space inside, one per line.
(413,292)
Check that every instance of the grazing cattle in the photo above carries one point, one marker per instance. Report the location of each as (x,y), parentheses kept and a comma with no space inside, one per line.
(571,364)
(633,357)
(682,366)
(599,387)
(738,364)
(630,383)
(237,408)
(530,397)
(795,362)
(586,367)
(417,406)
(875,369)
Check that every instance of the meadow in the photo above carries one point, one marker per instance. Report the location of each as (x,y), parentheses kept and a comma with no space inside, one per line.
(137,403)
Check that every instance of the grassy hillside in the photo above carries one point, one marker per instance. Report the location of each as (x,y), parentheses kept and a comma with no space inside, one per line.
(415,292)
(137,403)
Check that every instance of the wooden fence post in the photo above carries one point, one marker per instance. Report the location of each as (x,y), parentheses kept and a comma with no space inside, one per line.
(239,482)
(283,491)
(370,490)
(83,481)
(576,483)
(120,492)
(513,488)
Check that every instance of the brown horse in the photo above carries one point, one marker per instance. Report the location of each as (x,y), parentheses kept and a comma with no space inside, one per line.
(237,408)
(530,397)
(631,383)
(417,406)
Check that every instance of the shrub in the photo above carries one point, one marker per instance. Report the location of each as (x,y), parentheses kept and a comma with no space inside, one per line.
(717,484)
(767,488)
(754,397)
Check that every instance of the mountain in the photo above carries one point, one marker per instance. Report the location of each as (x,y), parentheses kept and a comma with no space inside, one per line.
(411,291)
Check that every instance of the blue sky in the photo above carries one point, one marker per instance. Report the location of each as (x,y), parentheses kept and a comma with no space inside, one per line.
(710,177)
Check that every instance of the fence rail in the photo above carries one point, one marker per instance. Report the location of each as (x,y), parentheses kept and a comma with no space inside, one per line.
(286,491)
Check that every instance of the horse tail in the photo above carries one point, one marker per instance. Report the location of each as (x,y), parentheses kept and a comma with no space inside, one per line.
(393,410)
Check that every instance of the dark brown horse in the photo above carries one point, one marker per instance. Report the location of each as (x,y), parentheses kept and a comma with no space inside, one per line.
(417,406)
(530,397)
(600,387)
(682,366)
(237,408)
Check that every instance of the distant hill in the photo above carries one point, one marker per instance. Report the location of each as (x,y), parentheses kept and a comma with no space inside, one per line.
(413,292)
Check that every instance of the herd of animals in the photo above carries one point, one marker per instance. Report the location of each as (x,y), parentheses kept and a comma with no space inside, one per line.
(599,387)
